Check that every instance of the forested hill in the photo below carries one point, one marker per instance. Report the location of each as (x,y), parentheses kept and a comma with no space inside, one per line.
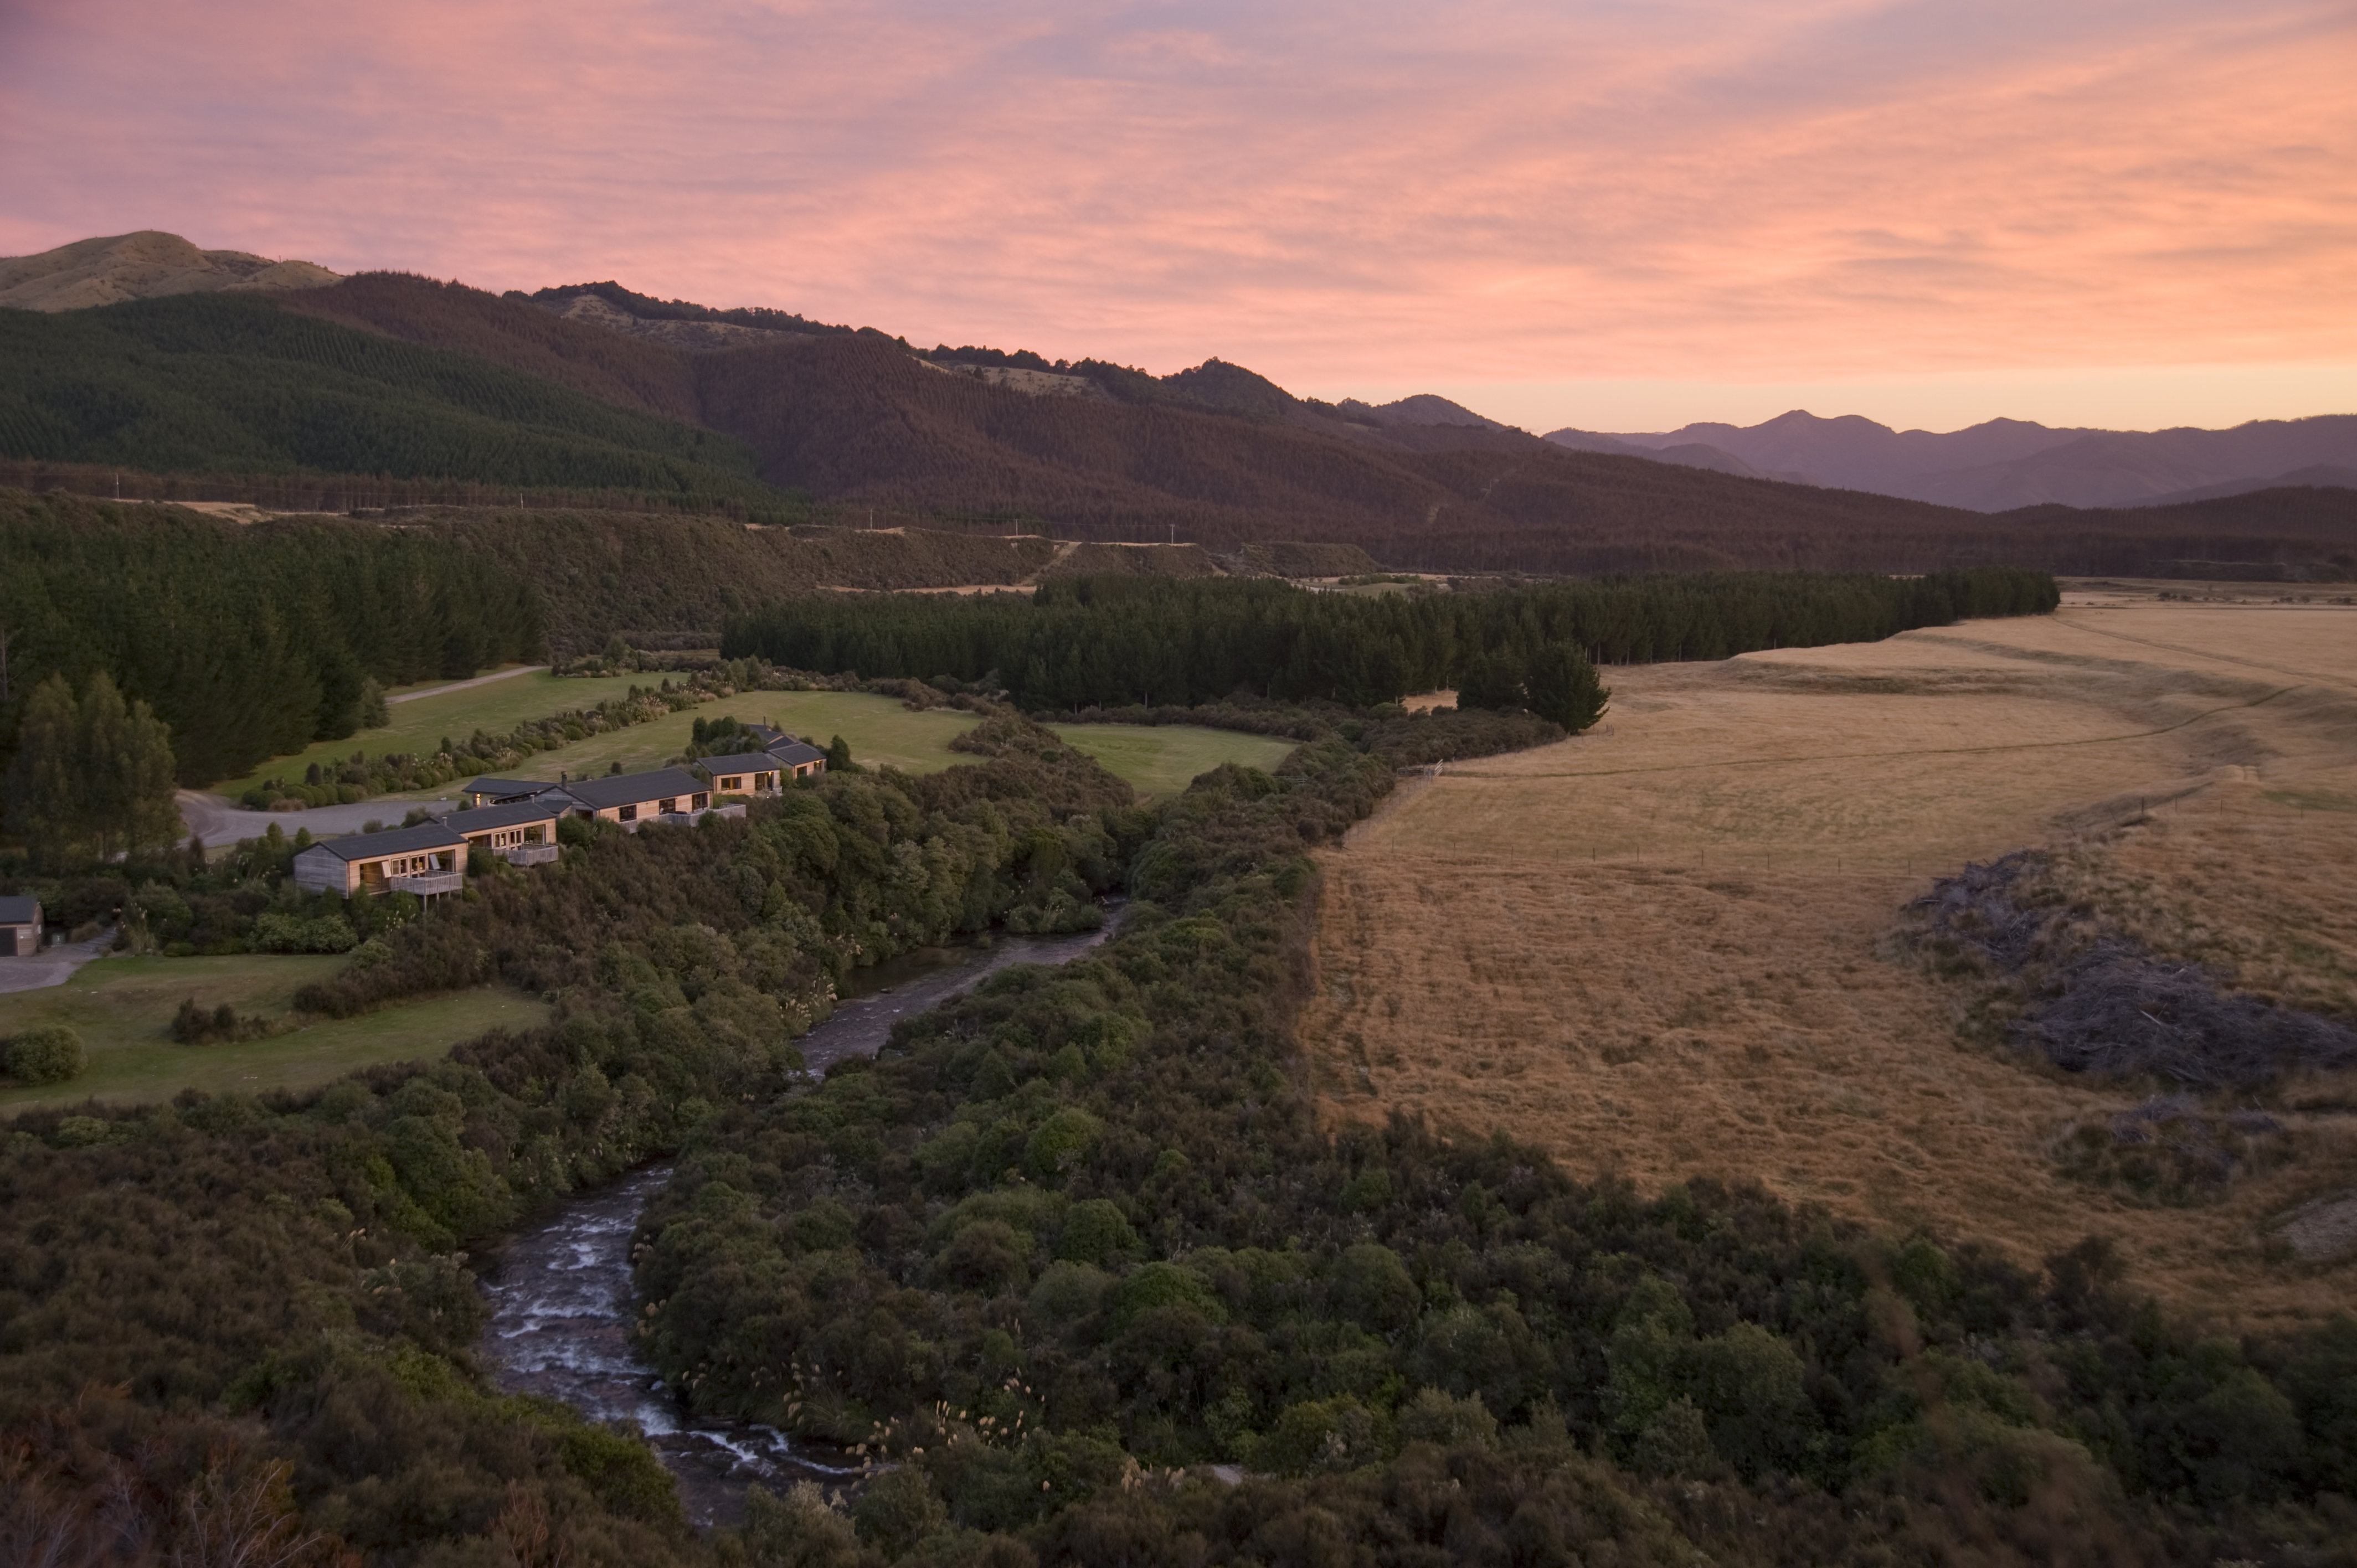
(488,387)
(232,382)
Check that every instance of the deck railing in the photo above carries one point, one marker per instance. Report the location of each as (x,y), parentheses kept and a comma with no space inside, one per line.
(428,883)
(529,853)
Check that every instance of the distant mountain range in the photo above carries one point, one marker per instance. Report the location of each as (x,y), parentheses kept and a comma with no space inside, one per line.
(224,363)
(2009,462)
(1999,466)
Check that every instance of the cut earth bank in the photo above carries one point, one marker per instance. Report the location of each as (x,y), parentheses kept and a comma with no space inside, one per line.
(1672,947)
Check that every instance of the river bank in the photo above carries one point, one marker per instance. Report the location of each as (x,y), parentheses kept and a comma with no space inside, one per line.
(561,1291)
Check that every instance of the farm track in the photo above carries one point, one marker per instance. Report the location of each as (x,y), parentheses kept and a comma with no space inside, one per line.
(463,685)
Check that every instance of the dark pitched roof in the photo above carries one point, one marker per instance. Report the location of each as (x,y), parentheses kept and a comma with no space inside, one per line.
(484,819)
(740,762)
(19,911)
(764,736)
(507,789)
(795,752)
(392,841)
(635,789)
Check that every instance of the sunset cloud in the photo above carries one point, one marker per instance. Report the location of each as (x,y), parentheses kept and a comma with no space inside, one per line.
(1394,194)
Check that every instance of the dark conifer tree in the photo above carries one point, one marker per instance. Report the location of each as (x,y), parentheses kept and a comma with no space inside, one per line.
(1491,681)
(1562,685)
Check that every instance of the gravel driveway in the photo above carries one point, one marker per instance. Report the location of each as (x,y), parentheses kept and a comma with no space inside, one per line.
(217,821)
(51,966)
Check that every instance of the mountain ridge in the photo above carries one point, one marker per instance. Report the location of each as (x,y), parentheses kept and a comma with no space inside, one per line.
(1216,454)
(147,263)
(1997,466)
(2001,464)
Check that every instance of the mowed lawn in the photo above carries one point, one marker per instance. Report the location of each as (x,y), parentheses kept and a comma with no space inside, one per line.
(881,732)
(1163,761)
(123,1009)
(420,725)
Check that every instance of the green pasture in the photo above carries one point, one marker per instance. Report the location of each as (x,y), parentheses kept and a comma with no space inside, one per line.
(879,729)
(123,1009)
(1163,761)
(882,732)
(418,725)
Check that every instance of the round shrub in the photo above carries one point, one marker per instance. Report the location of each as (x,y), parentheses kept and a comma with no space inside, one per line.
(1158,1285)
(1320,1435)
(1433,1417)
(897,1511)
(987,1256)
(1095,1231)
(51,1054)
(1373,1288)
(1067,1293)
(1062,1140)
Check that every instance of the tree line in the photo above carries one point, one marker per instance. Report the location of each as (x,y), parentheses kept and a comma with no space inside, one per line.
(1117,642)
(91,775)
(247,642)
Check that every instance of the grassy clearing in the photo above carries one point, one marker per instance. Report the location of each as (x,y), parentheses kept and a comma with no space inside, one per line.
(123,1009)
(1165,760)
(1665,948)
(884,733)
(419,725)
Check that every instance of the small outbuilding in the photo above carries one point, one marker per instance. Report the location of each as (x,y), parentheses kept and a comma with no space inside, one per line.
(20,927)
(429,859)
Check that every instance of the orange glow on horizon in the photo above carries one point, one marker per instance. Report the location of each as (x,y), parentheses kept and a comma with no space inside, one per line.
(1824,191)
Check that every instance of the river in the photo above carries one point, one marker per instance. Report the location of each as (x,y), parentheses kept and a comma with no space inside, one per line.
(560,1292)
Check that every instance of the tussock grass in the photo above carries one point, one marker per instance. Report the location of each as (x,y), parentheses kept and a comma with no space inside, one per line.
(1666,949)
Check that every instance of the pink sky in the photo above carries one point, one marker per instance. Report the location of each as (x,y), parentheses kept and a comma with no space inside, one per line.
(1615,215)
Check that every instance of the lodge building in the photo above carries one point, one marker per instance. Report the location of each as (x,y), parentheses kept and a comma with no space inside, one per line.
(523,832)
(429,859)
(516,820)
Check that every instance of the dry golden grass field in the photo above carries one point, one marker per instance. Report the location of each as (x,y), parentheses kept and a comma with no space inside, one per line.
(1669,948)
